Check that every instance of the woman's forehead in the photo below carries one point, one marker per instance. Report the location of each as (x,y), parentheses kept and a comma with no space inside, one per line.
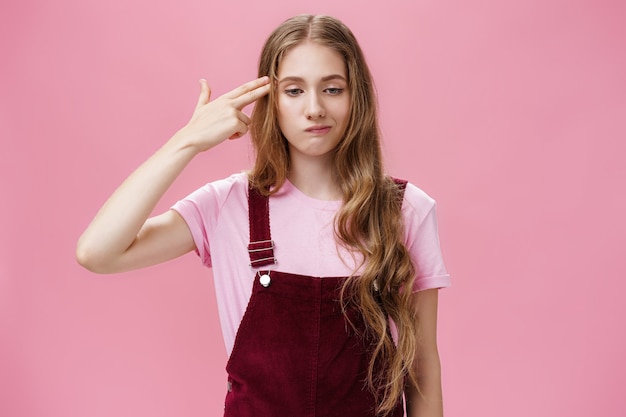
(310,61)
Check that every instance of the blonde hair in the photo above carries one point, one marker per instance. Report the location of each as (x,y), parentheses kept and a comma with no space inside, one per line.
(370,219)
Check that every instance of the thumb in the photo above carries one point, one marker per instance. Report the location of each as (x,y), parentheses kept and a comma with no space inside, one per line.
(205,93)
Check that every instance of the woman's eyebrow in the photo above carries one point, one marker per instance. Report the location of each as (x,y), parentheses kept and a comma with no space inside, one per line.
(300,79)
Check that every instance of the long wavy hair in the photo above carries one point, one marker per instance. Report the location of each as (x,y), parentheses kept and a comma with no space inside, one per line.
(369,220)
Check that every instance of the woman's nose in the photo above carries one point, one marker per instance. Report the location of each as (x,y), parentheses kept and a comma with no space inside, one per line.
(315,107)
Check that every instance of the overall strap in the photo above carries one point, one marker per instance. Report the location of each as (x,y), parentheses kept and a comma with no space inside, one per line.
(401,183)
(261,246)
(401,186)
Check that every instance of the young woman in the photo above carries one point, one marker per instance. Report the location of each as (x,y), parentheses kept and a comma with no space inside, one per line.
(326,269)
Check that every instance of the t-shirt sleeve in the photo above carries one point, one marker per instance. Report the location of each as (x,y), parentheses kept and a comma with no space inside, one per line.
(422,240)
(201,210)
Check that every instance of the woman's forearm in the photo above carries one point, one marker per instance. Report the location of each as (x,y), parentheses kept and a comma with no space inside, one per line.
(429,401)
(115,227)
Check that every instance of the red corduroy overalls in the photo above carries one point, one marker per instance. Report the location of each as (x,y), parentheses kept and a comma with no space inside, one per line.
(294,354)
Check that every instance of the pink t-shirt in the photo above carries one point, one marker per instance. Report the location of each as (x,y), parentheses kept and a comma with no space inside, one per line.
(302,229)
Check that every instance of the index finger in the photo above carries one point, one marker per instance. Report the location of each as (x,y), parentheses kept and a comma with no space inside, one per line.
(249,92)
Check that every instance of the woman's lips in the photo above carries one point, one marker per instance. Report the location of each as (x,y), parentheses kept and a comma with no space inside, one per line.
(318,130)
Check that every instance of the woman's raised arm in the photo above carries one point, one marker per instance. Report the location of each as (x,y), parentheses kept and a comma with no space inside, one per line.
(121,237)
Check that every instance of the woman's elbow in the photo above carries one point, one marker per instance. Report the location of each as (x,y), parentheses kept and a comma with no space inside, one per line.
(90,259)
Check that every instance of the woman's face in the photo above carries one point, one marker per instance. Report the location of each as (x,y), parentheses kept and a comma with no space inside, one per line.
(313,99)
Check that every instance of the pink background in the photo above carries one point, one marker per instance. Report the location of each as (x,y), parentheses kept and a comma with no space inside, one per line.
(510,113)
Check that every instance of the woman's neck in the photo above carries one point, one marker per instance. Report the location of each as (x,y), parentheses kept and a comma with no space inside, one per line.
(315,177)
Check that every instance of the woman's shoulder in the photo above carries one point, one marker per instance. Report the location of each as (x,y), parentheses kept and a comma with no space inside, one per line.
(417,202)
(218,191)
(234,183)
(237,181)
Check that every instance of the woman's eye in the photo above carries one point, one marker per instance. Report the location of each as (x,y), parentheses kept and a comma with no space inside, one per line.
(293,91)
(334,91)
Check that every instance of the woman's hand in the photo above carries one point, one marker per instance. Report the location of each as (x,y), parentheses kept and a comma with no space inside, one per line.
(215,121)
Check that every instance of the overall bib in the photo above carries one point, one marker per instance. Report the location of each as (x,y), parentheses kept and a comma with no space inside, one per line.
(295,355)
